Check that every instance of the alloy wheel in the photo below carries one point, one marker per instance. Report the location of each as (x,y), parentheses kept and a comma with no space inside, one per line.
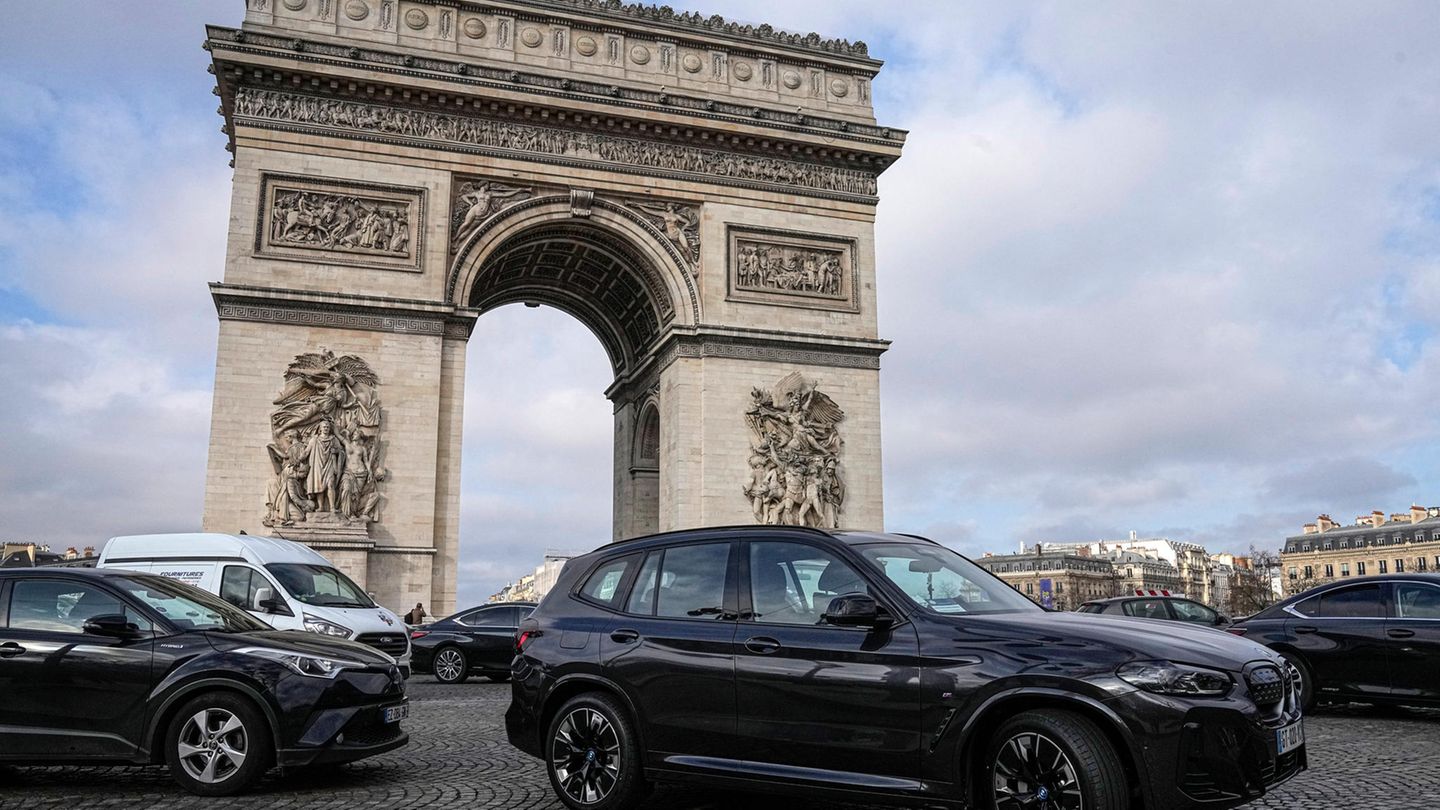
(449,665)
(1032,772)
(213,745)
(586,756)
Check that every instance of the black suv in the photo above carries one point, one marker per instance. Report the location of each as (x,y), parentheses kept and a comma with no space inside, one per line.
(119,667)
(864,665)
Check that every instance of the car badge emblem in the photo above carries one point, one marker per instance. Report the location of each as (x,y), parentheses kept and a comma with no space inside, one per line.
(1042,794)
(387,619)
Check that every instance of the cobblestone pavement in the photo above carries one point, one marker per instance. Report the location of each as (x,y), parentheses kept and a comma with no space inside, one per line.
(458,758)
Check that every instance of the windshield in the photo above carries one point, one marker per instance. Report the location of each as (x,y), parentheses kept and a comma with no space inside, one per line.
(188,607)
(942,581)
(319,585)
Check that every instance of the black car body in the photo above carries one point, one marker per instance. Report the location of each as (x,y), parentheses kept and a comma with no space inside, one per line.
(114,666)
(1164,607)
(797,659)
(1369,639)
(479,640)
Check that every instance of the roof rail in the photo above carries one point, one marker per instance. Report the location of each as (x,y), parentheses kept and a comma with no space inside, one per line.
(918,537)
(731,528)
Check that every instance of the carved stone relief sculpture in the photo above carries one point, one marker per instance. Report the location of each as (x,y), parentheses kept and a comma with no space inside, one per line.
(795,477)
(680,224)
(792,269)
(477,201)
(360,224)
(325,449)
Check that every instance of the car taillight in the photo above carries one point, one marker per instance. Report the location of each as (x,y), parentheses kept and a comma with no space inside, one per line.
(523,638)
(414,634)
(1239,631)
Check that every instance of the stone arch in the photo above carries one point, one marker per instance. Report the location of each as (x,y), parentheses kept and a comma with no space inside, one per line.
(520,254)
(645,450)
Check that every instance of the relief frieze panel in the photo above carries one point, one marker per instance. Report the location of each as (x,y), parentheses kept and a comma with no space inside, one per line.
(795,476)
(792,269)
(340,222)
(260,107)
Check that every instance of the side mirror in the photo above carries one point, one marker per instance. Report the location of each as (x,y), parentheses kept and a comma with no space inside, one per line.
(854,610)
(262,597)
(1221,618)
(111,625)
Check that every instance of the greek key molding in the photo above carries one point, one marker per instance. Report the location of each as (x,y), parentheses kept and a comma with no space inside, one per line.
(496,138)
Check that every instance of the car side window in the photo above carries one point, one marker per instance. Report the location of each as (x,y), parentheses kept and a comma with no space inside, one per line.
(1147,609)
(491,617)
(692,581)
(1415,601)
(603,586)
(58,606)
(793,583)
(239,586)
(642,596)
(1359,602)
(1188,611)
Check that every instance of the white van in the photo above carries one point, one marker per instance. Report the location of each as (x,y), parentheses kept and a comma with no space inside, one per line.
(284,584)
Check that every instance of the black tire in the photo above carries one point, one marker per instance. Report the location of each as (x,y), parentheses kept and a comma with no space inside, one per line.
(450,665)
(599,767)
(206,737)
(1022,771)
(499,677)
(1308,692)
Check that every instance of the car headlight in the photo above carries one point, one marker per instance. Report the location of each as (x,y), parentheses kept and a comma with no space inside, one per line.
(315,666)
(315,624)
(1170,678)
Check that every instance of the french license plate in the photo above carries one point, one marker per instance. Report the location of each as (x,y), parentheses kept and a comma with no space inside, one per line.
(1290,737)
(394,714)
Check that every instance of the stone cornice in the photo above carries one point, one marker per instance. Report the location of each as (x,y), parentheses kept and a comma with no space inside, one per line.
(236,302)
(653,16)
(471,75)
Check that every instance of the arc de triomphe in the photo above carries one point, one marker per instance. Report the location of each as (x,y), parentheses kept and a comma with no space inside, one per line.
(700,194)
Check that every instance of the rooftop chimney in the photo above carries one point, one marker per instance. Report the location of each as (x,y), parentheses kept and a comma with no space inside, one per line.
(1324,523)
(1417,513)
(1309,528)
(1377,518)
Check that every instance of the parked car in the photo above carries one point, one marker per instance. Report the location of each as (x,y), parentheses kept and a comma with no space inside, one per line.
(285,584)
(860,665)
(1143,605)
(1368,639)
(479,640)
(110,666)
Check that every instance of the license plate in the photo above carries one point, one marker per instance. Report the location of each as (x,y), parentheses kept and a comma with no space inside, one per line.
(395,714)
(1290,737)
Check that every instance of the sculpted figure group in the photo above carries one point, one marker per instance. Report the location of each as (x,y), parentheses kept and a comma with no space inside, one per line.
(333,221)
(325,454)
(795,477)
(788,269)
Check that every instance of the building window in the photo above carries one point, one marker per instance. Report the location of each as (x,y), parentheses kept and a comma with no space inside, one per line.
(1360,569)
(1420,563)
(1309,572)
(1382,567)
(1328,545)
(1029,589)
(1293,575)
(1419,537)
(1329,572)
(1399,566)
(1306,547)
(1344,544)
(1059,587)
(1344,569)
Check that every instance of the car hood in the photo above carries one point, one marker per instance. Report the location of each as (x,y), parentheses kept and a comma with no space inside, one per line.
(302,641)
(1126,638)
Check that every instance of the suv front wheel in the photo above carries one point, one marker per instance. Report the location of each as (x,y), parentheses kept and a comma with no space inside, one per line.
(1053,760)
(592,756)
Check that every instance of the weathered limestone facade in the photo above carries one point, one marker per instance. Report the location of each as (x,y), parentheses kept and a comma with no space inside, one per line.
(700,194)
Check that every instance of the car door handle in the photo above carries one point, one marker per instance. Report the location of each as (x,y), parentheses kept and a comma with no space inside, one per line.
(1399,632)
(1305,628)
(10,649)
(762,645)
(624,636)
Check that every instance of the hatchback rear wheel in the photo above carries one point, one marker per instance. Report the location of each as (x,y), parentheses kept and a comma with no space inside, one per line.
(1053,760)
(592,756)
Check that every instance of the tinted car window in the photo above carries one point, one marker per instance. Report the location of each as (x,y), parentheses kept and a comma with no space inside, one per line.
(1187,611)
(942,581)
(792,583)
(239,586)
(60,606)
(1147,609)
(1090,609)
(320,585)
(692,581)
(642,596)
(1417,601)
(604,583)
(1360,602)
(491,617)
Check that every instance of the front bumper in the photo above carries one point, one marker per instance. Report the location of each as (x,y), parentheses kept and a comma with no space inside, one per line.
(346,721)
(1207,754)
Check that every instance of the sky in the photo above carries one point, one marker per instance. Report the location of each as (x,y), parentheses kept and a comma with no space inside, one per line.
(1171,268)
